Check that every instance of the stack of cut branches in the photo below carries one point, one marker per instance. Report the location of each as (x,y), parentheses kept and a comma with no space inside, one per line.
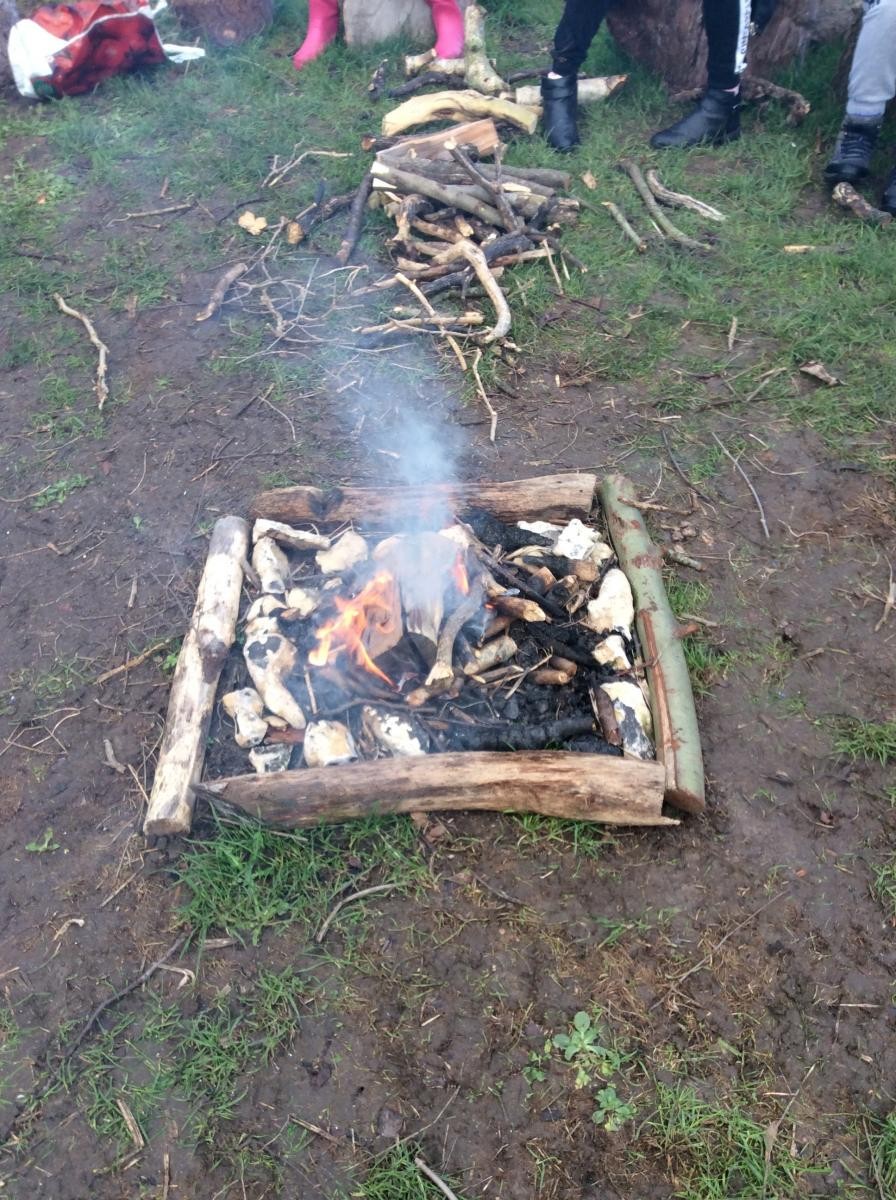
(461,221)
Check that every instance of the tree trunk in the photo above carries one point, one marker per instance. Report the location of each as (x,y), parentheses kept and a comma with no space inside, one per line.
(225,22)
(669,39)
(367,22)
(581,787)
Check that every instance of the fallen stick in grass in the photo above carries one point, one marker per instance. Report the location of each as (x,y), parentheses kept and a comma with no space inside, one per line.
(102,389)
(846,196)
(355,224)
(220,290)
(619,217)
(681,199)
(671,231)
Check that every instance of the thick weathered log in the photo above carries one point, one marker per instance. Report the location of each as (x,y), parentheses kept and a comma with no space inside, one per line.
(478,70)
(206,646)
(546,497)
(581,787)
(465,198)
(671,699)
(481,133)
(457,106)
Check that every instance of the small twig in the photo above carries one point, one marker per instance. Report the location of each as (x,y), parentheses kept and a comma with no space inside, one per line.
(747,481)
(679,471)
(102,390)
(673,554)
(763,382)
(622,221)
(671,231)
(355,220)
(434,1178)
(166,1175)
(415,291)
(492,411)
(337,908)
(153,212)
(133,662)
(846,196)
(732,334)
(681,199)
(889,603)
(130,879)
(130,1121)
(718,946)
(219,291)
(278,173)
(110,760)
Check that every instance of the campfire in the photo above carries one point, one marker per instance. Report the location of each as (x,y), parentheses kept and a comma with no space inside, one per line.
(482,646)
(480,635)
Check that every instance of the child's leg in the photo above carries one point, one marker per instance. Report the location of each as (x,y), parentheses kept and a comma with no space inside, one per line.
(872,80)
(323,25)
(449,23)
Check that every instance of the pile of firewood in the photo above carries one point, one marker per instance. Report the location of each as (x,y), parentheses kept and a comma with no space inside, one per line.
(460,221)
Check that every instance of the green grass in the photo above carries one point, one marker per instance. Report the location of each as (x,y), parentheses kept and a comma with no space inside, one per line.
(868,741)
(159,1056)
(884,885)
(718,1151)
(394,1176)
(247,879)
(583,839)
(59,492)
(881,1137)
(707,662)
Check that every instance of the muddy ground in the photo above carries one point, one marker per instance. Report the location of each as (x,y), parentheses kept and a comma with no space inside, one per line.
(749,941)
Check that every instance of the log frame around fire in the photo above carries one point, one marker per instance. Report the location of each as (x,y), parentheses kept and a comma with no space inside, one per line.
(558,783)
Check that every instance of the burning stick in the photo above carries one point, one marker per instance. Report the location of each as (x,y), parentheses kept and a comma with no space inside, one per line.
(442,673)
(206,646)
(681,199)
(102,390)
(846,196)
(220,290)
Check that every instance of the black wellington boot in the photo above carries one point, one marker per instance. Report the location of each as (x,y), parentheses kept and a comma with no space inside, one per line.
(560,98)
(714,121)
(851,160)
(888,204)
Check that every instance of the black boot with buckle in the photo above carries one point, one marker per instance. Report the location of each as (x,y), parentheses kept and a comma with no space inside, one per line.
(714,121)
(560,97)
(851,160)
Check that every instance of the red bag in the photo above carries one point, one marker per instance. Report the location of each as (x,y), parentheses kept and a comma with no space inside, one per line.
(101,39)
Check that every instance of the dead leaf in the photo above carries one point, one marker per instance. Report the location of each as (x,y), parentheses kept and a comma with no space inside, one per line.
(770,1136)
(589,181)
(820,372)
(251,223)
(294,233)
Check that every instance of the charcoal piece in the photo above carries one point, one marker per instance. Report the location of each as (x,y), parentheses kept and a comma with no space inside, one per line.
(492,532)
(592,744)
(514,736)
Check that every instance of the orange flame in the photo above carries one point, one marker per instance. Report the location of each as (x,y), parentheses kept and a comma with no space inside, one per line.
(371,609)
(460,576)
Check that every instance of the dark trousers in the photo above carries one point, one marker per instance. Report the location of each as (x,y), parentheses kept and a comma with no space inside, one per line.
(727,24)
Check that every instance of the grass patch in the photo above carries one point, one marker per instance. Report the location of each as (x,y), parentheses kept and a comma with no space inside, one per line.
(707,662)
(871,741)
(59,492)
(584,839)
(881,1136)
(248,879)
(884,885)
(394,1176)
(159,1057)
(718,1152)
